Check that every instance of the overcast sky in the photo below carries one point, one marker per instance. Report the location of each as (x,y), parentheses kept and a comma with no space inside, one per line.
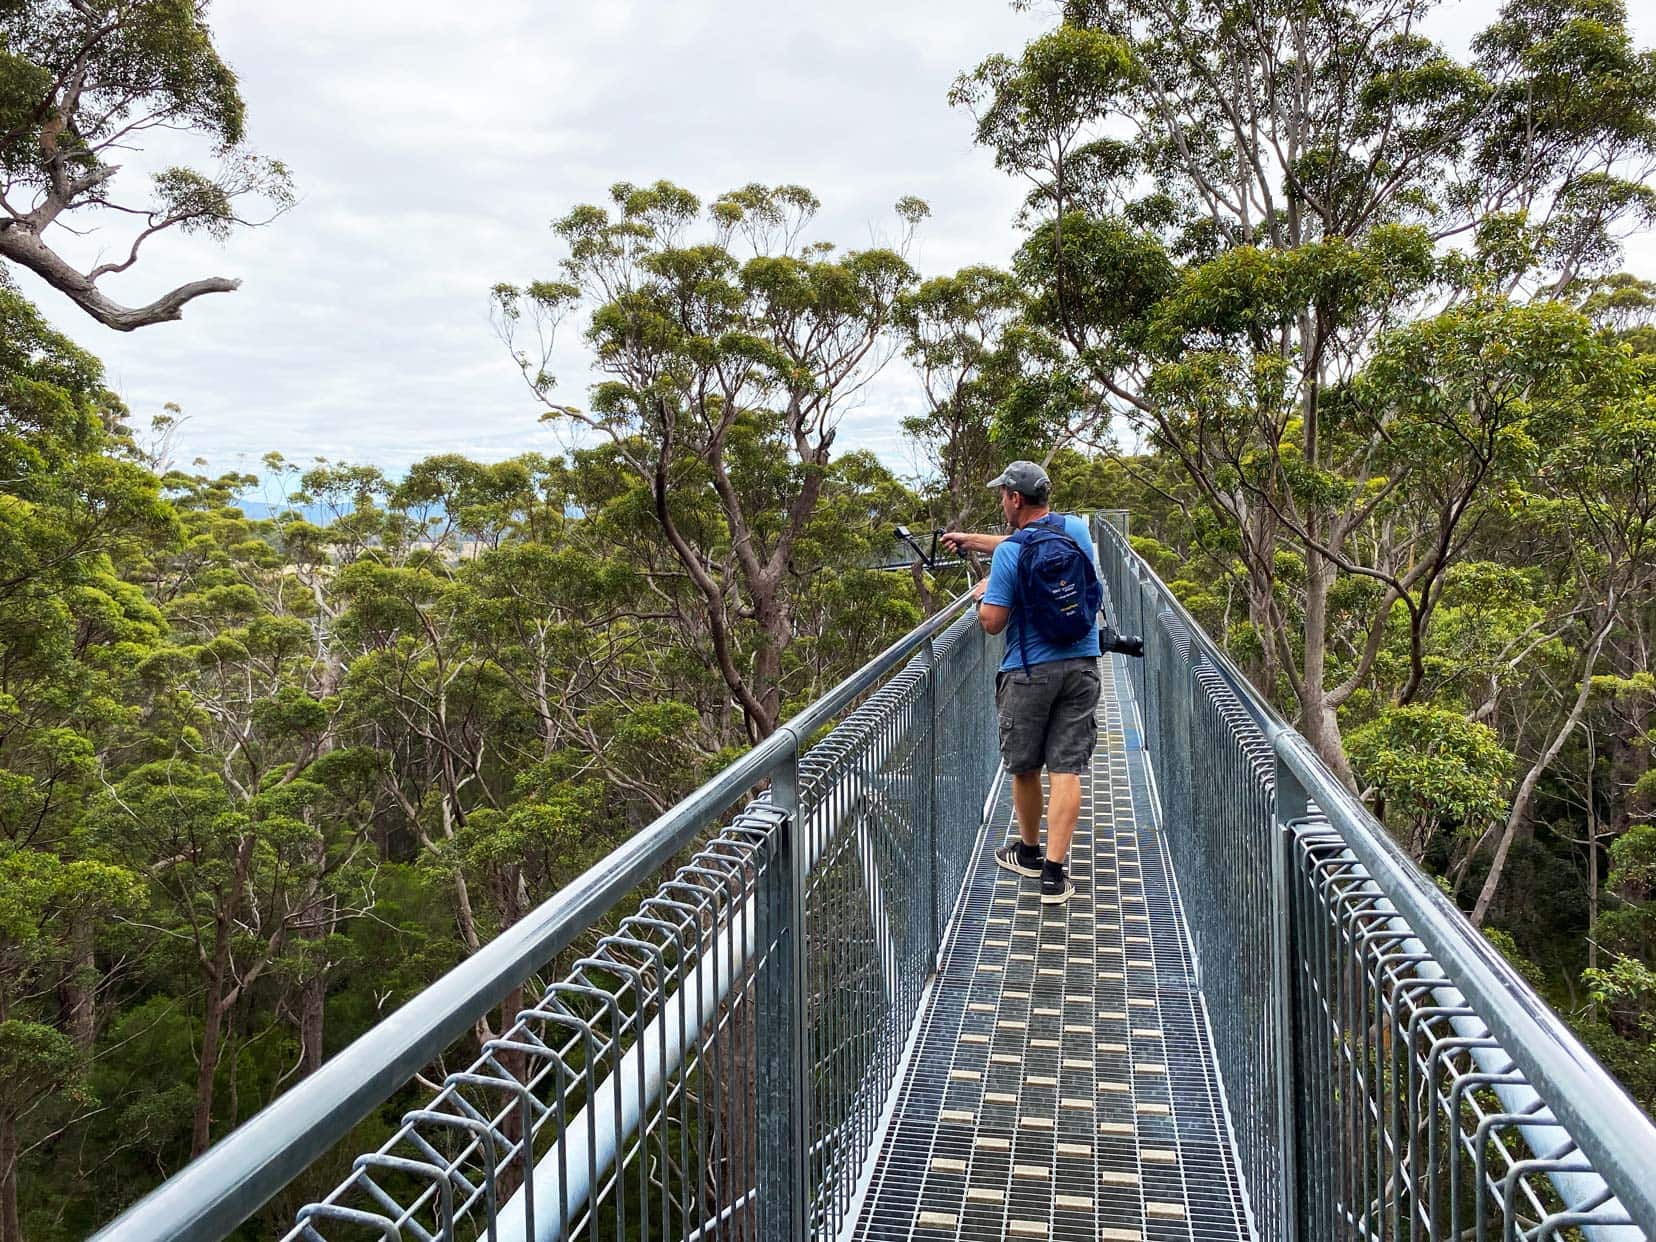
(432,144)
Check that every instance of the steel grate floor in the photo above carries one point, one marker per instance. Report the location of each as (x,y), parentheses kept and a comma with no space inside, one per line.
(1062,1084)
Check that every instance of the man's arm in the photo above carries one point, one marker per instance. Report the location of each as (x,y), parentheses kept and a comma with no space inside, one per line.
(992,617)
(972,541)
(995,593)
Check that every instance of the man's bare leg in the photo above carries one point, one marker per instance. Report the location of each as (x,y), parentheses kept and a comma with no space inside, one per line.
(1062,812)
(1026,801)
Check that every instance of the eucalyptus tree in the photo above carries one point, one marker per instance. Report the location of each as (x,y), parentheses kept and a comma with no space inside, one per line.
(951,328)
(75,515)
(1432,769)
(1599,488)
(1623,982)
(579,647)
(729,358)
(990,387)
(243,805)
(1232,206)
(82,81)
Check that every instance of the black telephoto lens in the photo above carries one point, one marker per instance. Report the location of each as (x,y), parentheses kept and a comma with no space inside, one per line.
(1109,639)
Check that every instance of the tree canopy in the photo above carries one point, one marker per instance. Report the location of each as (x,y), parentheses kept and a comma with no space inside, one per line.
(1337,315)
(82,81)
(728,360)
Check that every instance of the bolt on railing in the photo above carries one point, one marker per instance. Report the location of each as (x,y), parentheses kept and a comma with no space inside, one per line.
(1389,1075)
(785,962)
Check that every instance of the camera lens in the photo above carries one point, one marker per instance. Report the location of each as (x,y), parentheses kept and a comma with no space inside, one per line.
(1109,639)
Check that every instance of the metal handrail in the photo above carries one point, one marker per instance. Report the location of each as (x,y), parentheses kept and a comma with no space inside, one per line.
(1357,961)
(243,1171)
(1617,1136)
(1559,1073)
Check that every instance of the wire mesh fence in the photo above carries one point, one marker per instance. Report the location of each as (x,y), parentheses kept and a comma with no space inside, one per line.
(717,1065)
(624,1102)
(1389,1076)
(621,1103)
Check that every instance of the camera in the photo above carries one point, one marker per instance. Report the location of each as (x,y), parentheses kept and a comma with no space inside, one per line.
(1110,639)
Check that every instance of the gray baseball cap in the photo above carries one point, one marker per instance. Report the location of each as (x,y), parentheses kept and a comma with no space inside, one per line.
(1025,478)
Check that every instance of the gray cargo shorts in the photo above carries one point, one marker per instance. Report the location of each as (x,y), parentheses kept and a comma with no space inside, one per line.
(1048,716)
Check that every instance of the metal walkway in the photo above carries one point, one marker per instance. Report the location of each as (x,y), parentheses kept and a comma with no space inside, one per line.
(747,1047)
(1062,1084)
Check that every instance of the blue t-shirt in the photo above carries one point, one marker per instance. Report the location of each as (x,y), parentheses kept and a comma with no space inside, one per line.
(1003,590)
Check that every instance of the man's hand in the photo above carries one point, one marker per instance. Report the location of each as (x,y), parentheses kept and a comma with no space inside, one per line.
(979,587)
(970,541)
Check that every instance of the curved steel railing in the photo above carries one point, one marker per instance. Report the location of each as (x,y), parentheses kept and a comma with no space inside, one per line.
(1390,1074)
(785,961)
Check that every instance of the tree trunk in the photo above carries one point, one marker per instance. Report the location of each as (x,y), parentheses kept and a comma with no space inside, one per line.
(1262,666)
(78,995)
(921,589)
(511,1175)
(218,973)
(1319,722)
(1322,729)
(1592,872)
(543,700)
(1526,791)
(311,1011)
(212,1030)
(1629,756)
(319,916)
(776,627)
(1257,530)
(11,1229)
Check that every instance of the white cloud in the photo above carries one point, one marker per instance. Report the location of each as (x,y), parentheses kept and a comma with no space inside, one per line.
(433,143)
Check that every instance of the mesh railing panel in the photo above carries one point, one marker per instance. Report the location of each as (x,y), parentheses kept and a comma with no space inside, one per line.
(669,999)
(1415,1122)
(900,782)
(624,1101)
(1369,1097)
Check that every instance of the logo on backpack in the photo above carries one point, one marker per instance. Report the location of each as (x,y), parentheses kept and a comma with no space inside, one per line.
(1058,589)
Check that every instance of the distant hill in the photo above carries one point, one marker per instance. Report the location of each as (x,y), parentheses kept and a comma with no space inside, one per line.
(318,515)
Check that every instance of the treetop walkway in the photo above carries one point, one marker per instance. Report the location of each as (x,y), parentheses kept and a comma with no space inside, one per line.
(838,1019)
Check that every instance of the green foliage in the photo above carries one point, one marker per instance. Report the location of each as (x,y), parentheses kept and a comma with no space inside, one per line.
(1032,111)
(1435,770)
(78,83)
(1112,274)
(155,60)
(1627,988)
(962,336)
(726,360)
(1528,970)
(35,1058)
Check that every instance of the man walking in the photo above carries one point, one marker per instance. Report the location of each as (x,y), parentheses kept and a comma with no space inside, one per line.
(1048,686)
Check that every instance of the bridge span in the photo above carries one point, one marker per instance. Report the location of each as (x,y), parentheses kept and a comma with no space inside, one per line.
(1062,1081)
(824,1013)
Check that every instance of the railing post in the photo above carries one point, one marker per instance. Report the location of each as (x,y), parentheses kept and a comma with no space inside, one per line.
(1292,806)
(782,1031)
(933,845)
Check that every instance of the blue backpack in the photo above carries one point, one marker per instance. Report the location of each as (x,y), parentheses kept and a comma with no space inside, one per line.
(1058,589)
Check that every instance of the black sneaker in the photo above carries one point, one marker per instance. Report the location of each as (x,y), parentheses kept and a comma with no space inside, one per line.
(1015,857)
(1056,887)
